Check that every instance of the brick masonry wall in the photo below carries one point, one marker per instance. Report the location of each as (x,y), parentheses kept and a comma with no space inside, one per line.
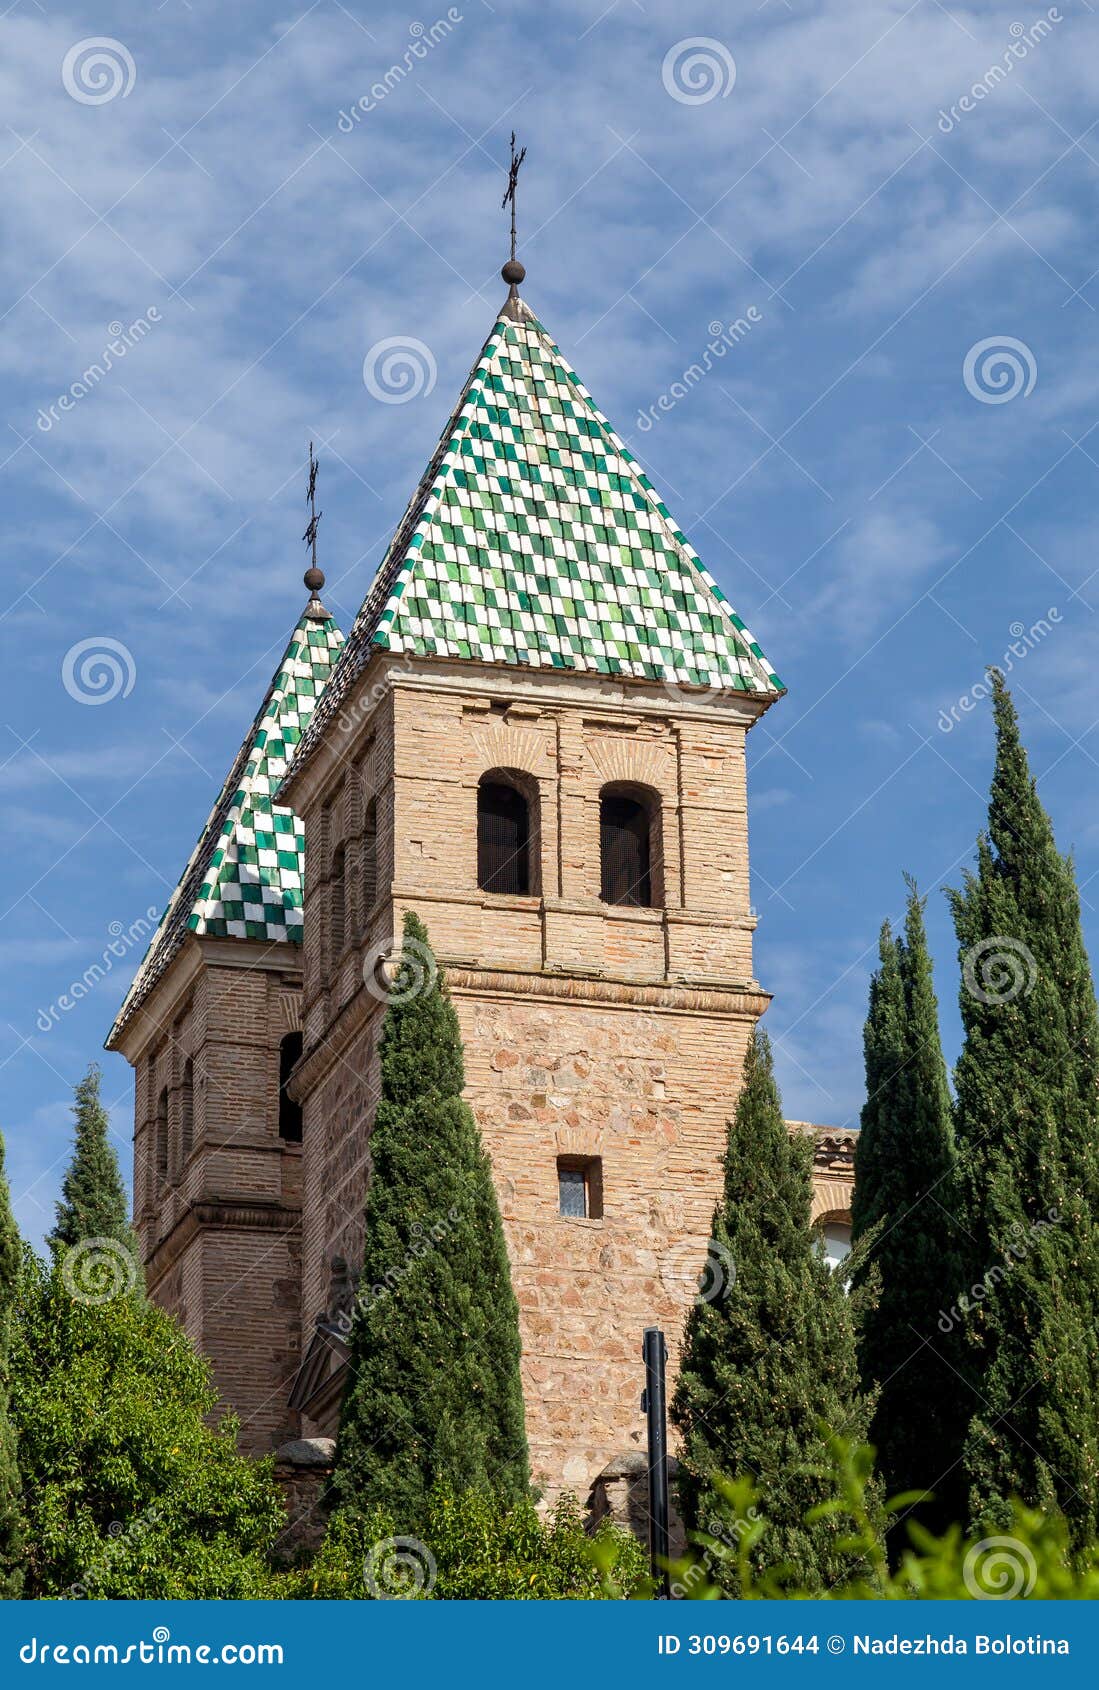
(616,1033)
(220,1235)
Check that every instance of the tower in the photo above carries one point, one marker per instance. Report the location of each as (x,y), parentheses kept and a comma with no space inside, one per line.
(534,737)
(212,1027)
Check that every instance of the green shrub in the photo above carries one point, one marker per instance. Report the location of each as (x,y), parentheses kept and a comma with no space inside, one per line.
(127,1492)
(1032,1559)
(472,1550)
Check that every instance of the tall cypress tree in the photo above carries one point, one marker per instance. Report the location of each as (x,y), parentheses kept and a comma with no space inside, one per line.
(1028,1137)
(771,1359)
(93,1198)
(434,1395)
(11,1505)
(904,1211)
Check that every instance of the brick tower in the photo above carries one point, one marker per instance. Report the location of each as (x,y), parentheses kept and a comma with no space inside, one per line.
(212,1026)
(534,737)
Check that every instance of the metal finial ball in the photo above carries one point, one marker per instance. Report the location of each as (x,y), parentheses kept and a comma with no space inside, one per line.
(513,272)
(314,579)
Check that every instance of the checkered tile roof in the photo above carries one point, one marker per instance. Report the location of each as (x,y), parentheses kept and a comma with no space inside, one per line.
(536,539)
(245,876)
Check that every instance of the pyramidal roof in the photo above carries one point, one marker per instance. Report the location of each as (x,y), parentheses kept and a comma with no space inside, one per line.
(245,876)
(535,538)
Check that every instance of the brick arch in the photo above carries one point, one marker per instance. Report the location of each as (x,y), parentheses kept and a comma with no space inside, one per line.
(633,763)
(506,745)
(832,1201)
(289,1014)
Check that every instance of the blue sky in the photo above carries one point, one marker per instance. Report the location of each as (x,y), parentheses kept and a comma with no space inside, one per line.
(885,501)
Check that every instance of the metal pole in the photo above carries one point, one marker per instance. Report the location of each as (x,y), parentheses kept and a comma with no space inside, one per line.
(655,1352)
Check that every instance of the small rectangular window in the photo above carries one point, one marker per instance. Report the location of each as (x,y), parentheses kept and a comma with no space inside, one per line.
(580,1187)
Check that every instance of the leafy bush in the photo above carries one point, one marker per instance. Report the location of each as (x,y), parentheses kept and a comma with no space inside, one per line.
(473,1549)
(127,1492)
(1031,1560)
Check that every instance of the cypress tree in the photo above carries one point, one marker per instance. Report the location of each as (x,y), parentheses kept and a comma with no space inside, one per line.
(1027,1089)
(93,1200)
(904,1213)
(434,1399)
(770,1360)
(11,1528)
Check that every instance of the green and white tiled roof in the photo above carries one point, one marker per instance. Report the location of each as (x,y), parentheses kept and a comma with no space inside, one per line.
(535,538)
(245,876)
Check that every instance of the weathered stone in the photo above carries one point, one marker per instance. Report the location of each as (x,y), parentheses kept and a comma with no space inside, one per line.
(307,1452)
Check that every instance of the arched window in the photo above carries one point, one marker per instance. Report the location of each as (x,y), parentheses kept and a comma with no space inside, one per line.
(162,1138)
(187,1112)
(626,847)
(836,1241)
(370,857)
(503,837)
(337,896)
(289,1111)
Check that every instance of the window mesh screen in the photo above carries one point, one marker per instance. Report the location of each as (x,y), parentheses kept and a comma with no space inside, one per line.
(626,870)
(503,839)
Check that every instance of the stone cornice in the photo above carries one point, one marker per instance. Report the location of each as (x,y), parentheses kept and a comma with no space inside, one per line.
(220,1214)
(726,997)
(734,999)
(155,1014)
